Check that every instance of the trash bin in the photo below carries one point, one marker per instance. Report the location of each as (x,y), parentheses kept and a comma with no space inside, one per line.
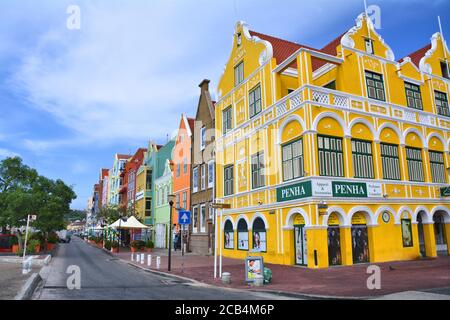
(267,275)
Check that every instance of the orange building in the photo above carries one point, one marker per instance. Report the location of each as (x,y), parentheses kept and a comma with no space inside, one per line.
(182,166)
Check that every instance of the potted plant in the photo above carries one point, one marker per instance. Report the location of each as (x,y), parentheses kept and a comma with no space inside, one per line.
(135,246)
(107,245)
(52,240)
(14,243)
(149,245)
(114,247)
(34,245)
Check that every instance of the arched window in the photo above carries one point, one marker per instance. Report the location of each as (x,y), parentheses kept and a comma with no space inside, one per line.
(228,235)
(259,235)
(242,229)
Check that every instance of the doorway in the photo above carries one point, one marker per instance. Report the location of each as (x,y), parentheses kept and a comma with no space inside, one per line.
(439,233)
(301,246)
(421,234)
(360,244)
(334,246)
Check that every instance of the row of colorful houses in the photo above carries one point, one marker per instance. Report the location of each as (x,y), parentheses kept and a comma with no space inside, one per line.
(325,157)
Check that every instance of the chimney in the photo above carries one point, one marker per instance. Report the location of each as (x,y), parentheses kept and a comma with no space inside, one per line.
(204,85)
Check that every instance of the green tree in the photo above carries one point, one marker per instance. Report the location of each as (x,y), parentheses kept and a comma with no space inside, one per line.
(23,191)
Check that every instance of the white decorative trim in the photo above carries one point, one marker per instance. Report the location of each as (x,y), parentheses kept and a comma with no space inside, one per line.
(382,209)
(289,119)
(393,127)
(343,219)
(426,67)
(419,134)
(441,208)
(228,218)
(292,213)
(368,213)
(241,216)
(259,215)
(375,134)
(335,116)
(428,216)
(439,137)
(400,212)
(347,39)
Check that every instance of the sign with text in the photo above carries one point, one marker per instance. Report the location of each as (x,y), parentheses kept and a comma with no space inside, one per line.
(329,188)
(295,191)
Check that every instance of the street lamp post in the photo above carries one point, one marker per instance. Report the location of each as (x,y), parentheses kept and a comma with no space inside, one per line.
(124,219)
(171,202)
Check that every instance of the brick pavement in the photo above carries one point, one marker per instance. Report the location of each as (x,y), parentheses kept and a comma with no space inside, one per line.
(349,281)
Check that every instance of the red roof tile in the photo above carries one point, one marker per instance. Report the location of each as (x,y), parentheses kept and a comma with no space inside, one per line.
(282,49)
(191,122)
(418,55)
(123,156)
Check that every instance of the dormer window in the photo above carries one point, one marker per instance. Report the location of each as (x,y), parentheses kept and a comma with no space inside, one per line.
(444,69)
(369,46)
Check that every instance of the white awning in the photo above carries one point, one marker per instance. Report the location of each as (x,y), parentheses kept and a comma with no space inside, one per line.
(131,223)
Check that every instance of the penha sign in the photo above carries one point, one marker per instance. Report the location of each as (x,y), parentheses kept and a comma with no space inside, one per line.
(327,188)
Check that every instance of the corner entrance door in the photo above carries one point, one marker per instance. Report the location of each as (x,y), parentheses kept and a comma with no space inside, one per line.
(301,247)
(421,236)
(360,244)
(334,246)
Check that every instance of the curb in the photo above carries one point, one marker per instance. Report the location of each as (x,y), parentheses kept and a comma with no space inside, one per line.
(26,292)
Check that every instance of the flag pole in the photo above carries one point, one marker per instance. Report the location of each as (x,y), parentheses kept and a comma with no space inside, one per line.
(444,44)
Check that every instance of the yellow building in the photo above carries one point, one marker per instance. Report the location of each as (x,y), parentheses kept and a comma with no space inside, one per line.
(333,156)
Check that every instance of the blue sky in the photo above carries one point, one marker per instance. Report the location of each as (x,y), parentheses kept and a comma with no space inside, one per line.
(71,99)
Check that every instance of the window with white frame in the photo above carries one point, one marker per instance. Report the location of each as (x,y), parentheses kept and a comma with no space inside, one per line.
(239,74)
(375,86)
(437,166)
(292,154)
(254,101)
(202,218)
(415,164)
(185,166)
(195,179)
(228,180)
(362,159)
(210,174)
(184,200)
(331,158)
(227,120)
(258,174)
(195,219)
(390,161)
(203,177)
(202,138)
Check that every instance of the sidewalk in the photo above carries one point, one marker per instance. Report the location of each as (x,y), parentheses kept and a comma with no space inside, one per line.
(333,282)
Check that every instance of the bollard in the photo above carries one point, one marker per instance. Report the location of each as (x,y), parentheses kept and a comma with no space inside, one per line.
(149,260)
(258,280)
(138,257)
(142,258)
(226,278)
(158,262)
(132,256)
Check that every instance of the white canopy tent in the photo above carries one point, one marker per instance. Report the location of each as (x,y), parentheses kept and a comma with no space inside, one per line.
(131,223)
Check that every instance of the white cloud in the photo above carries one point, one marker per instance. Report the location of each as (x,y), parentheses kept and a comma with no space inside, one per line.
(132,69)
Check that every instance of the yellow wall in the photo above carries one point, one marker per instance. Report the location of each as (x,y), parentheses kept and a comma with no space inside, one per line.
(346,113)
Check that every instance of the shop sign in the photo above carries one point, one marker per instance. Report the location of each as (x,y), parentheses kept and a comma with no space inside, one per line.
(333,220)
(295,191)
(349,189)
(445,192)
(139,195)
(328,188)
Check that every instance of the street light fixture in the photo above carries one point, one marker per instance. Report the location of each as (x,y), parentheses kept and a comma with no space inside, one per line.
(171,199)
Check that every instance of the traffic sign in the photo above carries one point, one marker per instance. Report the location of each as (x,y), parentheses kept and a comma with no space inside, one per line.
(184,217)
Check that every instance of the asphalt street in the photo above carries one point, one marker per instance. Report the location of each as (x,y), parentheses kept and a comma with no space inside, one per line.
(103,277)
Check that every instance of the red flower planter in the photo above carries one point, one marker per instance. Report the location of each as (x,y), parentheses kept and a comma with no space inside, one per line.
(114,250)
(133,249)
(15,248)
(50,246)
